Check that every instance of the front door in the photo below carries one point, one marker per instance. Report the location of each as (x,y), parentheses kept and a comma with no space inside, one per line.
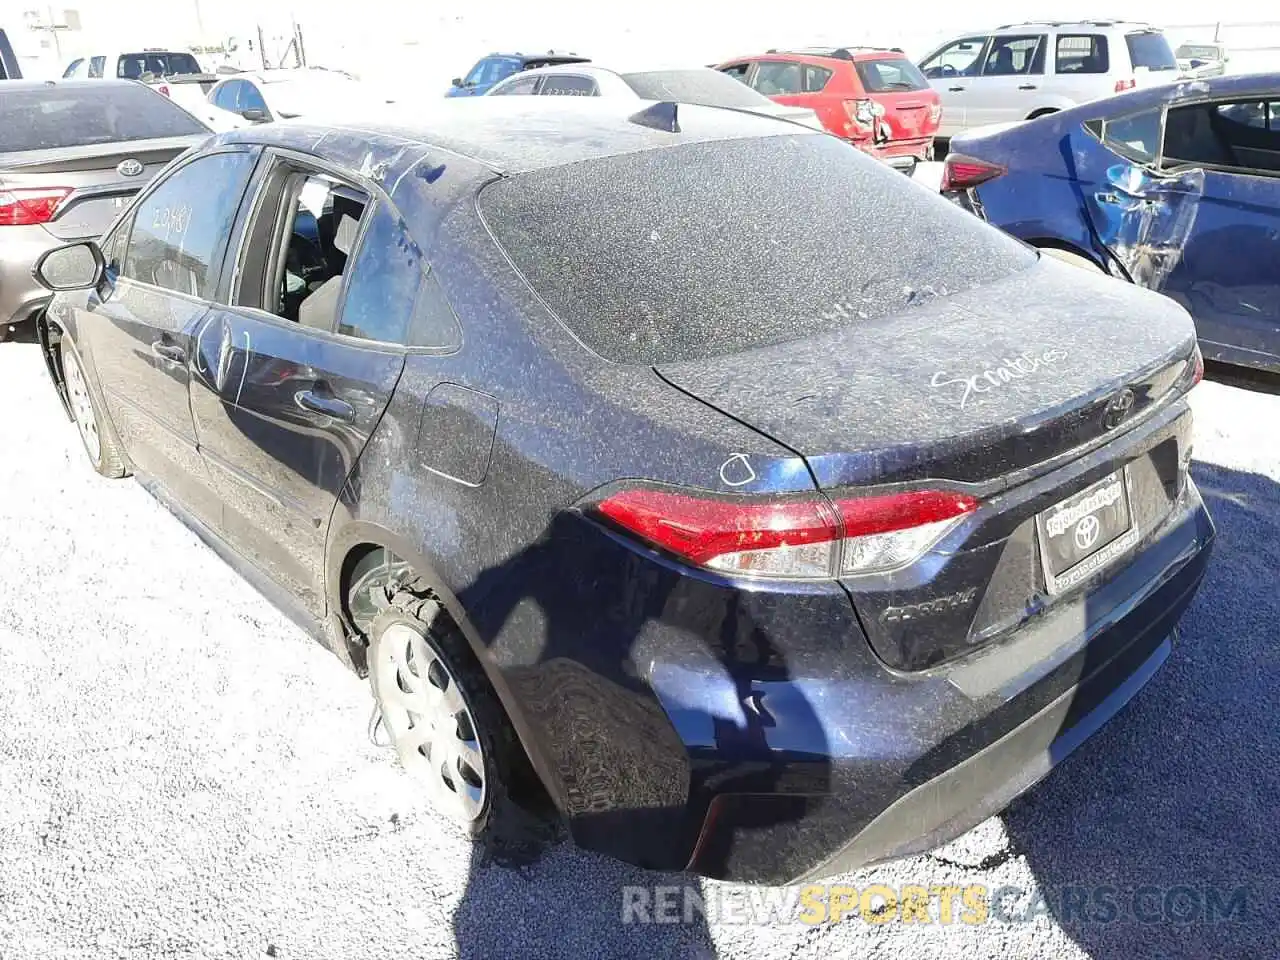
(1011,79)
(952,71)
(286,392)
(163,267)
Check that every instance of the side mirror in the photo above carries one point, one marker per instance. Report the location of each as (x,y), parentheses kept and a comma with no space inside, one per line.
(254,115)
(77,266)
(456,81)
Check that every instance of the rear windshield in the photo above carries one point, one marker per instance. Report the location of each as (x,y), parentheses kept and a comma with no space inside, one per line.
(886,76)
(133,66)
(707,249)
(1194,52)
(709,88)
(76,114)
(1151,50)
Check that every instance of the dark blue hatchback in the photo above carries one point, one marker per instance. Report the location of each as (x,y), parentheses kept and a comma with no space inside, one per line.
(1175,188)
(767,536)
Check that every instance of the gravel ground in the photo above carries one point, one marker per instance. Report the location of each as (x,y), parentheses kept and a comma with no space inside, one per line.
(183,773)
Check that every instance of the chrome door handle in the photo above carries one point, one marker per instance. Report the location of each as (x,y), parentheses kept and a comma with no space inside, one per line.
(954,89)
(322,403)
(1027,86)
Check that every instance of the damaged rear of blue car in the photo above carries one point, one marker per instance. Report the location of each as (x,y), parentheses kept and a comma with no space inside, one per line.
(1174,188)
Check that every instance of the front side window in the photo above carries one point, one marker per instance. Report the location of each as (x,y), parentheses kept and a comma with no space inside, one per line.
(182,227)
(250,98)
(523,87)
(384,280)
(492,69)
(1012,57)
(97,65)
(564,85)
(71,70)
(1081,53)
(778,78)
(225,96)
(960,59)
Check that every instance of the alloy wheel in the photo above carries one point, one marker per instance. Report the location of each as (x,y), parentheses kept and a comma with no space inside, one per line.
(430,724)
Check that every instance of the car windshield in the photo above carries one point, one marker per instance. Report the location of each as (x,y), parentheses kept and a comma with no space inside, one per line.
(491,70)
(707,249)
(888,75)
(133,66)
(706,87)
(1151,49)
(54,118)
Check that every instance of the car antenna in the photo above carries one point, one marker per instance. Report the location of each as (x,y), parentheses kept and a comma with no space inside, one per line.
(659,116)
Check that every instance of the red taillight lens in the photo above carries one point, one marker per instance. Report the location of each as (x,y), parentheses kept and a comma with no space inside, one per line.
(795,538)
(1199,370)
(960,172)
(26,207)
(1123,85)
(163,89)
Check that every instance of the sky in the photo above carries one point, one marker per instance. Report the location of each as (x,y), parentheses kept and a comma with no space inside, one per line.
(422,41)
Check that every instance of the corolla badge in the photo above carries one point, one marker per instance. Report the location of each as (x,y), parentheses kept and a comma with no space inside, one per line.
(129,168)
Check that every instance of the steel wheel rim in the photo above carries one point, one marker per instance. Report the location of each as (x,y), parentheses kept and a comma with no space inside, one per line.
(82,408)
(430,722)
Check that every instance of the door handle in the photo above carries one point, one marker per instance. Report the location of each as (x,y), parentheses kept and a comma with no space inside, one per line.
(169,352)
(322,402)
(1027,86)
(954,89)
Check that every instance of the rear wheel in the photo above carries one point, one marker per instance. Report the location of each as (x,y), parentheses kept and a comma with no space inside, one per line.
(100,441)
(1075,259)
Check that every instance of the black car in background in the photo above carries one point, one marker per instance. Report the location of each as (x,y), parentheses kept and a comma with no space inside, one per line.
(736,515)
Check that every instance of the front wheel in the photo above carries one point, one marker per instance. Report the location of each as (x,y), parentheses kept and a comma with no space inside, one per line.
(100,441)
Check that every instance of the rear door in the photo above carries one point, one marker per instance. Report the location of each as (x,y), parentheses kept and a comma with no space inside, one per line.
(162,270)
(295,365)
(952,71)
(1012,75)
(1081,64)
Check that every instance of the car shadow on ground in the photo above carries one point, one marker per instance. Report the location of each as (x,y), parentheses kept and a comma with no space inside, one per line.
(1242,377)
(1158,839)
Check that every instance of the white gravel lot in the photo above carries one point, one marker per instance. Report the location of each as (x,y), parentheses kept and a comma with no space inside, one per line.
(184,774)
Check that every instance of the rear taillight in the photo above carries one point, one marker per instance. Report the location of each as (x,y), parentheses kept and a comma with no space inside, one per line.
(163,89)
(25,207)
(1199,369)
(1123,85)
(788,537)
(960,172)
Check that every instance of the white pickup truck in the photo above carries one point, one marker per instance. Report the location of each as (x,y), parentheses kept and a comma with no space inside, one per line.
(175,73)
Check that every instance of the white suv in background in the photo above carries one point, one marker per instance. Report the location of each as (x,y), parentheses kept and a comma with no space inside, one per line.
(1025,70)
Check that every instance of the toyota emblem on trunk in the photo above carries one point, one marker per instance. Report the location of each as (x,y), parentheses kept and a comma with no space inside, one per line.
(1118,408)
(129,168)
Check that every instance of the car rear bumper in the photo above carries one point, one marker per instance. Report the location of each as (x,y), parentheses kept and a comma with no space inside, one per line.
(984,730)
(20,296)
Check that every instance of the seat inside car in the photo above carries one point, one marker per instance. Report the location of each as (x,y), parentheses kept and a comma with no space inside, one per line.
(320,307)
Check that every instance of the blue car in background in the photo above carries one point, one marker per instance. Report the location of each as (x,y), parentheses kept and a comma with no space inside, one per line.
(1175,188)
(498,66)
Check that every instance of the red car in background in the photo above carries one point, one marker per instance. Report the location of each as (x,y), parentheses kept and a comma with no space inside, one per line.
(873,97)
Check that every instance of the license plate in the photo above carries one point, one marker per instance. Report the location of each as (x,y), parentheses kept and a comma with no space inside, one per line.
(1086,532)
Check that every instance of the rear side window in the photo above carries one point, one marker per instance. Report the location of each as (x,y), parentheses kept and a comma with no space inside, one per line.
(1082,53)
(1150,49)
(384,281)
(737,70)
(815,78)
(1135,137)
(97,65)
(60,117)
(522,87)
(707,249)
(560,85)
(1014,56)
(180,230)
(778,78)
(890,76)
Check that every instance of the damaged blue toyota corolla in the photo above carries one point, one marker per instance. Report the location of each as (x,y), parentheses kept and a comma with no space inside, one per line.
(766,536)
(1174,188)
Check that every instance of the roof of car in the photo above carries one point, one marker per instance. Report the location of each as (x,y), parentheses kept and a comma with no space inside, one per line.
(846,53)
(557,55)
(519,134)
(1073,24)
(16,85)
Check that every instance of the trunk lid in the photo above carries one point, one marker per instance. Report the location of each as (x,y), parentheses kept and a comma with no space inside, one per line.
(969,387)
(95,173)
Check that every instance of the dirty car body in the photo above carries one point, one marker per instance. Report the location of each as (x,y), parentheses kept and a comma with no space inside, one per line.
(73,155)
(1176,188)
(782,558)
